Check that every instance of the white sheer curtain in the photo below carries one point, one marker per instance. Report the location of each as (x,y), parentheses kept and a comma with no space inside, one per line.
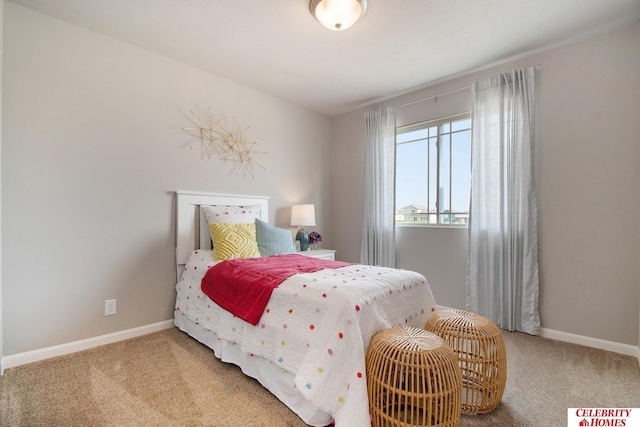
(502,263)
(378,229)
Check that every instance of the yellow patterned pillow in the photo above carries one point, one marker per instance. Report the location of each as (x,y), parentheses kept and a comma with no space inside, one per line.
(234,241)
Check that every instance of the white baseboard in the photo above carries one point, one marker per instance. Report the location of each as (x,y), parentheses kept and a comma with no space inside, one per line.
(72,347)
(616,347)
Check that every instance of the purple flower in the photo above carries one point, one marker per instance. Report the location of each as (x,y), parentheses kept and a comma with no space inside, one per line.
(315,237)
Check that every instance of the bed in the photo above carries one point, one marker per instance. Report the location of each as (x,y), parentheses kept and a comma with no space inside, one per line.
(308,346)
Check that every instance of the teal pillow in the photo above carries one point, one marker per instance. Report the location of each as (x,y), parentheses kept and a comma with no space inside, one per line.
(272,240)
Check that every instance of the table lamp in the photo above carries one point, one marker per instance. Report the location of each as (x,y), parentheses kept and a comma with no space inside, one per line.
(303,216)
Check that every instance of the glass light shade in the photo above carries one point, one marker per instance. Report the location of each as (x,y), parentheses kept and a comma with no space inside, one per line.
(303,215)
(338,15)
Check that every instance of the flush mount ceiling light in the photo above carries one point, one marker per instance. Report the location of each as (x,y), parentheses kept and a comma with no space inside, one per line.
(338,15)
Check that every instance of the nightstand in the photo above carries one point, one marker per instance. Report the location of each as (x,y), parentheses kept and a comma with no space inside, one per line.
(329,254)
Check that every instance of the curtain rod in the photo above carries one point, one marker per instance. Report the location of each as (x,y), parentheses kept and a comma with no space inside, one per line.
(449,92)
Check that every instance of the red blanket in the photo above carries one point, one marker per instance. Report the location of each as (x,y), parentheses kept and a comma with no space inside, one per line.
(243,286)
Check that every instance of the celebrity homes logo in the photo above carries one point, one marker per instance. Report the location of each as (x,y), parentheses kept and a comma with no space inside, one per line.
(603,417)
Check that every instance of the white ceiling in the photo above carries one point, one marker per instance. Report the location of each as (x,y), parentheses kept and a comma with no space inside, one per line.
(276,46)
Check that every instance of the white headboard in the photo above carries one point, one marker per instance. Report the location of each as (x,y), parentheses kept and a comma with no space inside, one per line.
(192,231)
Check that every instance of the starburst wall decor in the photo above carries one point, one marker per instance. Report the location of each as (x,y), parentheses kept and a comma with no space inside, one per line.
(219,138)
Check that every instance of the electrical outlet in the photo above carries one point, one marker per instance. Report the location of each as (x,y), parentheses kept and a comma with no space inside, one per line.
(110,307)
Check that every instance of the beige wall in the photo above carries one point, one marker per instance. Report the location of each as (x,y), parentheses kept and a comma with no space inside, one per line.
(92,146)
(587,156)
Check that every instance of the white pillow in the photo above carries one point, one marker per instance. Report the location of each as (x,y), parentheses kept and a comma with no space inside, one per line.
(221,214)
(231,214)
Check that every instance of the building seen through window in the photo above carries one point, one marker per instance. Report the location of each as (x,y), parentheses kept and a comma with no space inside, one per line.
(433,171)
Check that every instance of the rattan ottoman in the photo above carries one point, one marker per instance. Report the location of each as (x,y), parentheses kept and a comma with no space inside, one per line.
(413,379)
(482,357)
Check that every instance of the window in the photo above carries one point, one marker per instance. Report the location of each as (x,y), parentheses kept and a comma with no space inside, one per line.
(433,171)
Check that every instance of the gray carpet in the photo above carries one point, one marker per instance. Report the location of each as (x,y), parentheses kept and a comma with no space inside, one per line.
(168,379)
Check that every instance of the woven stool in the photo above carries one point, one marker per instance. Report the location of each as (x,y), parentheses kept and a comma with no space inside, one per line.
(413,379)
(482,357)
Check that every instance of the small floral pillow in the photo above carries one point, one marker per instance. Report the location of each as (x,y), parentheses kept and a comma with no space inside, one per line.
(231,214)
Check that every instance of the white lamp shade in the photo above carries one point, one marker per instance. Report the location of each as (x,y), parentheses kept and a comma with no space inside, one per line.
(338,15)
(303,215)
